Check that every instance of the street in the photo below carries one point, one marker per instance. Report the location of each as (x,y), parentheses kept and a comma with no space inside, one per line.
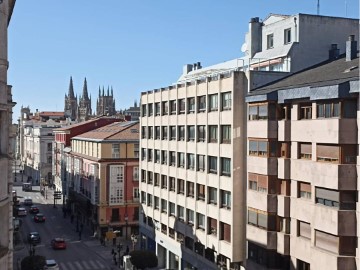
(80,254)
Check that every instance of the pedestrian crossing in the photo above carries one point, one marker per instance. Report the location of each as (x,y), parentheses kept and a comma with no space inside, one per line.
(82,265)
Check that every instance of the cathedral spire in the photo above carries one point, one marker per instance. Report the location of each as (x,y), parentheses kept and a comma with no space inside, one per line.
(99,91)
(108,91)
(71,88)
(112,92)
(85,91)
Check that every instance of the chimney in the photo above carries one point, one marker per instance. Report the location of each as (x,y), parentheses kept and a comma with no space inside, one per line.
(187,68)
(351,48)
(199,65)
(333,52)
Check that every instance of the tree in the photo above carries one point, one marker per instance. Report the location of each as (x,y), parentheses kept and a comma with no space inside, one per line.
(142,259)
(33,262)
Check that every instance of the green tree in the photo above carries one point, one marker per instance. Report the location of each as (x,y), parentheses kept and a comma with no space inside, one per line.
(142,259)
(33,262)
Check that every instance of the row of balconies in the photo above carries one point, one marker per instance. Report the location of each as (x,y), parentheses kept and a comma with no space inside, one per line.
(330,130)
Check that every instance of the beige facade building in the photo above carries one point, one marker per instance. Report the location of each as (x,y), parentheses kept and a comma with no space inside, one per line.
(7,142)
(303,161)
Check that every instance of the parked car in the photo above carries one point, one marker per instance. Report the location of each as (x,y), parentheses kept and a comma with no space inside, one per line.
(34,209)
(21,212)
(51,264)
(28,201)
(58,243)
(34,238)
(39,217)
(26,187)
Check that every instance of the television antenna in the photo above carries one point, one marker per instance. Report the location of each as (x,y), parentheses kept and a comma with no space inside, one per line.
(318,7)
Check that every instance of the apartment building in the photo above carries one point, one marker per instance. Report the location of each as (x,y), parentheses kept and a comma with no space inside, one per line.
(7,141)
(193,199)
(103,173)
(302,164)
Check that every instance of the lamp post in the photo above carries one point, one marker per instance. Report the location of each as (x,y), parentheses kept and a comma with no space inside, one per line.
(119,248)
(126,225)
(134,240)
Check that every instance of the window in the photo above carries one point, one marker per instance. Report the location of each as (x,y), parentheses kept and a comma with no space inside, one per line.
(163,157)
(191,105)
(190,216)
(180,213)
(304,190)
(287,36)
(200,162)
(212,226)
(285,149)
(304,229)
(262,219)
(225,199)
(328,153)
(200,192)
(213,102)
(143,176)
(143,197)
(201,103)
(156,203)
(200,219)
(149,200)
(150,178)
(164,181)
(270,41)
(143,153)
(225,232)
(191,161)
(190,190)
(344,200)
(226,166)
(191,133)
(172,158)
(150,154)
(258,112)
(156,179)
(305,111)
(172,209)
(157,133)
(163,206)
(201,134)
(136,150)
(135,173)
(181,160)
(189,242)
(181,103)
(301,265)
(212,192)
(226,101)
(305,151)
(262,148)
(262,183)
(157,108)
(115,150)
(225,134)
(143,110)
(165,108)
(173,133)
(328,109)
(172,106)
(164,133)
(180,186)
(150,109)
(213,134)
(181,133)
(213,165)
(349,108)
(172,183)
(283,112)
(150,132)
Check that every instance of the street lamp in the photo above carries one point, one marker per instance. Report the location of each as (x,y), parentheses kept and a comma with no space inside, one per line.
(126,225)
(32,246)
(134,240)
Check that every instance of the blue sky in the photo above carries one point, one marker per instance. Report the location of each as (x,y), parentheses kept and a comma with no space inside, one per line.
(132,46)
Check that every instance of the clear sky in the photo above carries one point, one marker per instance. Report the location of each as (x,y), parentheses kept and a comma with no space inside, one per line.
(132,46)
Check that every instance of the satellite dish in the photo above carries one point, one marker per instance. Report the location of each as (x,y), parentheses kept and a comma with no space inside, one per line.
(244,47)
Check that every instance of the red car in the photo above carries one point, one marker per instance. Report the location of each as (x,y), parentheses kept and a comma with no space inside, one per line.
(39,218)
(58,243)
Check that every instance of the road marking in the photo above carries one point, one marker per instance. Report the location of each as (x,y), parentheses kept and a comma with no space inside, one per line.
(78,264)
(86,265)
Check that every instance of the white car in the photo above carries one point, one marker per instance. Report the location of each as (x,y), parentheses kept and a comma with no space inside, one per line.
(51,265)
(21,212)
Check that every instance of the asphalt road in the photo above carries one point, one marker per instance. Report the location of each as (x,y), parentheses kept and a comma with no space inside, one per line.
(79,255)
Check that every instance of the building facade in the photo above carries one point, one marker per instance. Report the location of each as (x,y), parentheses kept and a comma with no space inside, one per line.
(105,104)
(7,142)
(103,173)
(71,103)
(84,107)
(303,161)
(133,112)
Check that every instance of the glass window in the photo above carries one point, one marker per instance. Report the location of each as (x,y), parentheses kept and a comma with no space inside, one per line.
(328,109)
(225,134)
(173,133)
(143,110)
(226,101)
(172,209)
(181,186)
(163,157)
(191,133)
(150,155)
(225,199)
(201,134)
(181,106)
(212,193)
(181,133)
(270,41)
(181,160)
(226,166)
(200,162)
(163,206)
(149,177)
(201,103)
(258,112)
(213,165)
(213,102)
(156,179)
(149,200)
(164,181)
(150,132)
(143,153)
(191,105)
(213,134)
(164,132)
(115,150)
(135,173)
(143,132)
(180,213)
(172,157)
(157,133)
(156,202)
(304,190)
(200,219)
(200,192)
(305,111)
(349,108)
(305,150)
(165,108)
(190,190)
(150,109)
(287,36)
(172,185)
(190,216)
(157,108)
(172,106)
(191,161)
(157,156)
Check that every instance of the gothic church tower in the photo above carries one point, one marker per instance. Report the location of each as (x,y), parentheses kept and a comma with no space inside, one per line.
(105,104)
(70,109)
(84,109)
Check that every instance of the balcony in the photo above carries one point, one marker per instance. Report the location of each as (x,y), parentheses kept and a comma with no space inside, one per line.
(262,165)
(284,131)
(326,130)
(261,237)
(262,129)
(334,221)
(331,260)
(327,175)
(284,166)
(283,206)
